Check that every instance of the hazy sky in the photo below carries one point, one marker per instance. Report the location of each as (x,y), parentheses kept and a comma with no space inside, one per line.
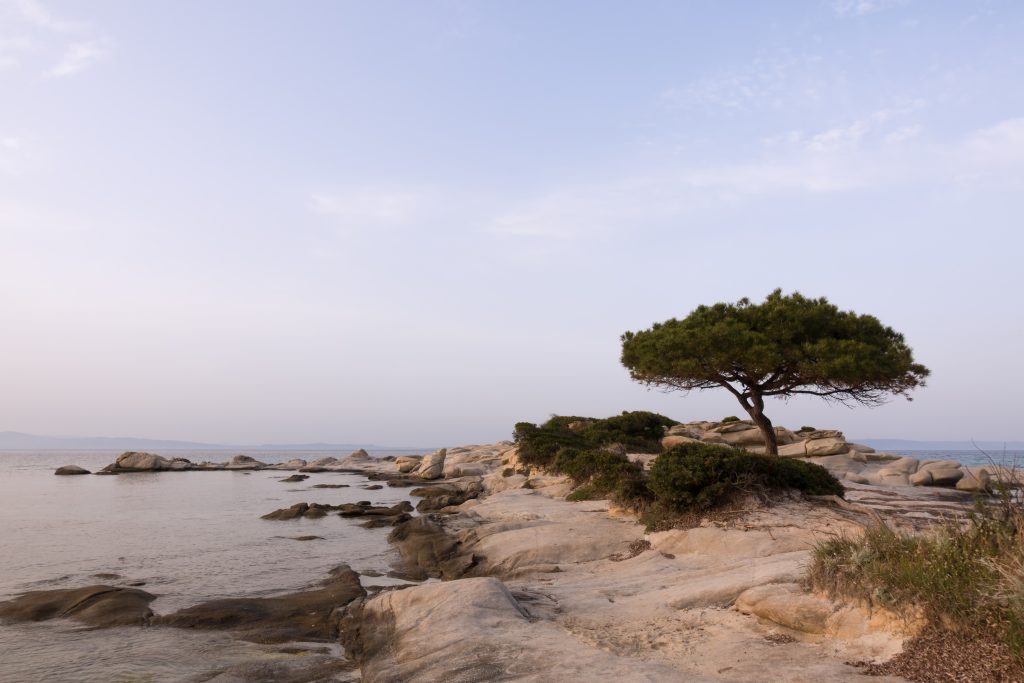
(416,223)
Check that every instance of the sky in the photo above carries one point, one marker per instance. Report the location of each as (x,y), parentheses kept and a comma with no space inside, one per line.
(417,223)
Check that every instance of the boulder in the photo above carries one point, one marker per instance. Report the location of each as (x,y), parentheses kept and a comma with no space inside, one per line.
(180,464)
(689,431)
(141,462)
(748,436)
(948,476)
(244,462)
(99,606)
(788,605)
(432,466)
(793,450)
(357,456)
(295,478)
(407,463)
(922,478)
(861,448)
(976,480)
(71,469)
(676,439)
(830,445)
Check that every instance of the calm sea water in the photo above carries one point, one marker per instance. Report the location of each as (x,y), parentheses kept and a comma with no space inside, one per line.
(190,536)
(975,457)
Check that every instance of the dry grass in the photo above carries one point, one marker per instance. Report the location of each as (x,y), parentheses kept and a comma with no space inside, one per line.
(966,578)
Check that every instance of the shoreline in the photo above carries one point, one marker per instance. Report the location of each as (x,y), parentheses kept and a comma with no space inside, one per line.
(579,588)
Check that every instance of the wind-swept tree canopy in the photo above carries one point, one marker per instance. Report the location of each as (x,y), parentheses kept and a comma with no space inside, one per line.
(786,346)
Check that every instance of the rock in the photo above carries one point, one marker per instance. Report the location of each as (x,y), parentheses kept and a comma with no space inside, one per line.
(293,512)
(676,439)
(294,478)
(100,606)
(428,551)
(244,462)
(180,464)
(373,487)
(975,479)
(357,456)
(303,616)
(307,538)
(328,461)
(948,476)
(407,463)
(313,469)
(826,446)
(861,448)
(293,464)
(749,436)
(71,469)
(923,478)
(132,461)
(927,465)
(432,466)
(787,605)
(365,509)
(688,431)
(793,450)
(377,522)
(476,630)
(331,486)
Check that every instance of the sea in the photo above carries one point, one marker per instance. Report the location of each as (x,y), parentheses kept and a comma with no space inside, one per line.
(185,536)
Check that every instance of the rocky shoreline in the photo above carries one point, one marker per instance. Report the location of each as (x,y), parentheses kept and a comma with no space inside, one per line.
(536,588)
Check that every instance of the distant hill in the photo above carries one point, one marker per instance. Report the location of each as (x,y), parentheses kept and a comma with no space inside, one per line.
(17,441)
(992,447)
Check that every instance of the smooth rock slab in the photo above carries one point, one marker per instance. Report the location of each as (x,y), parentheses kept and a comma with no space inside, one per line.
(306,615)
(100,606)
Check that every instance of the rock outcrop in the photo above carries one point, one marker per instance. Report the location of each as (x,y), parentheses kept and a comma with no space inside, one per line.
(71,469)
(99,606)
(302,616)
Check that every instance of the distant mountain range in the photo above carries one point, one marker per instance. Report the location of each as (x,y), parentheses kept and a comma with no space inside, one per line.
(991,447)
(17,441)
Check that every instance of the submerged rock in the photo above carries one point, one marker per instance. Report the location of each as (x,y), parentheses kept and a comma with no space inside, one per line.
(302,616)
(294,478)
(71,469)
(100,606)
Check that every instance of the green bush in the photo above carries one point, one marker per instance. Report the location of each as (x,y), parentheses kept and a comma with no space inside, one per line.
(805,428)
(694,477)
(731,418)
(602,473)
(639,432)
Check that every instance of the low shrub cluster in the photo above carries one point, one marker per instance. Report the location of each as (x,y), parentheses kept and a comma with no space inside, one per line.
(694,477)
(637,432)
(689,478)
(967,578)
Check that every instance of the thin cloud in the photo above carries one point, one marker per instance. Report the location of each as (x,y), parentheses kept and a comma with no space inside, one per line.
(364,206)
(856,157)
(37,14)
(860,8)
(77,58)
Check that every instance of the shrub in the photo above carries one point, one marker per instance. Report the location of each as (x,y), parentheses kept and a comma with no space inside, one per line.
(600,473)
(731,418)
(507,472)
(966,579)
(695,477)
(638,431)
(805,428)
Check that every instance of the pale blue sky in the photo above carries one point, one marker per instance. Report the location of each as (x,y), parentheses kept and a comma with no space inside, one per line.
(420,222)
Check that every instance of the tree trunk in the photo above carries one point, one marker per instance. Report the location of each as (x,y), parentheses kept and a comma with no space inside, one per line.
(756,412)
